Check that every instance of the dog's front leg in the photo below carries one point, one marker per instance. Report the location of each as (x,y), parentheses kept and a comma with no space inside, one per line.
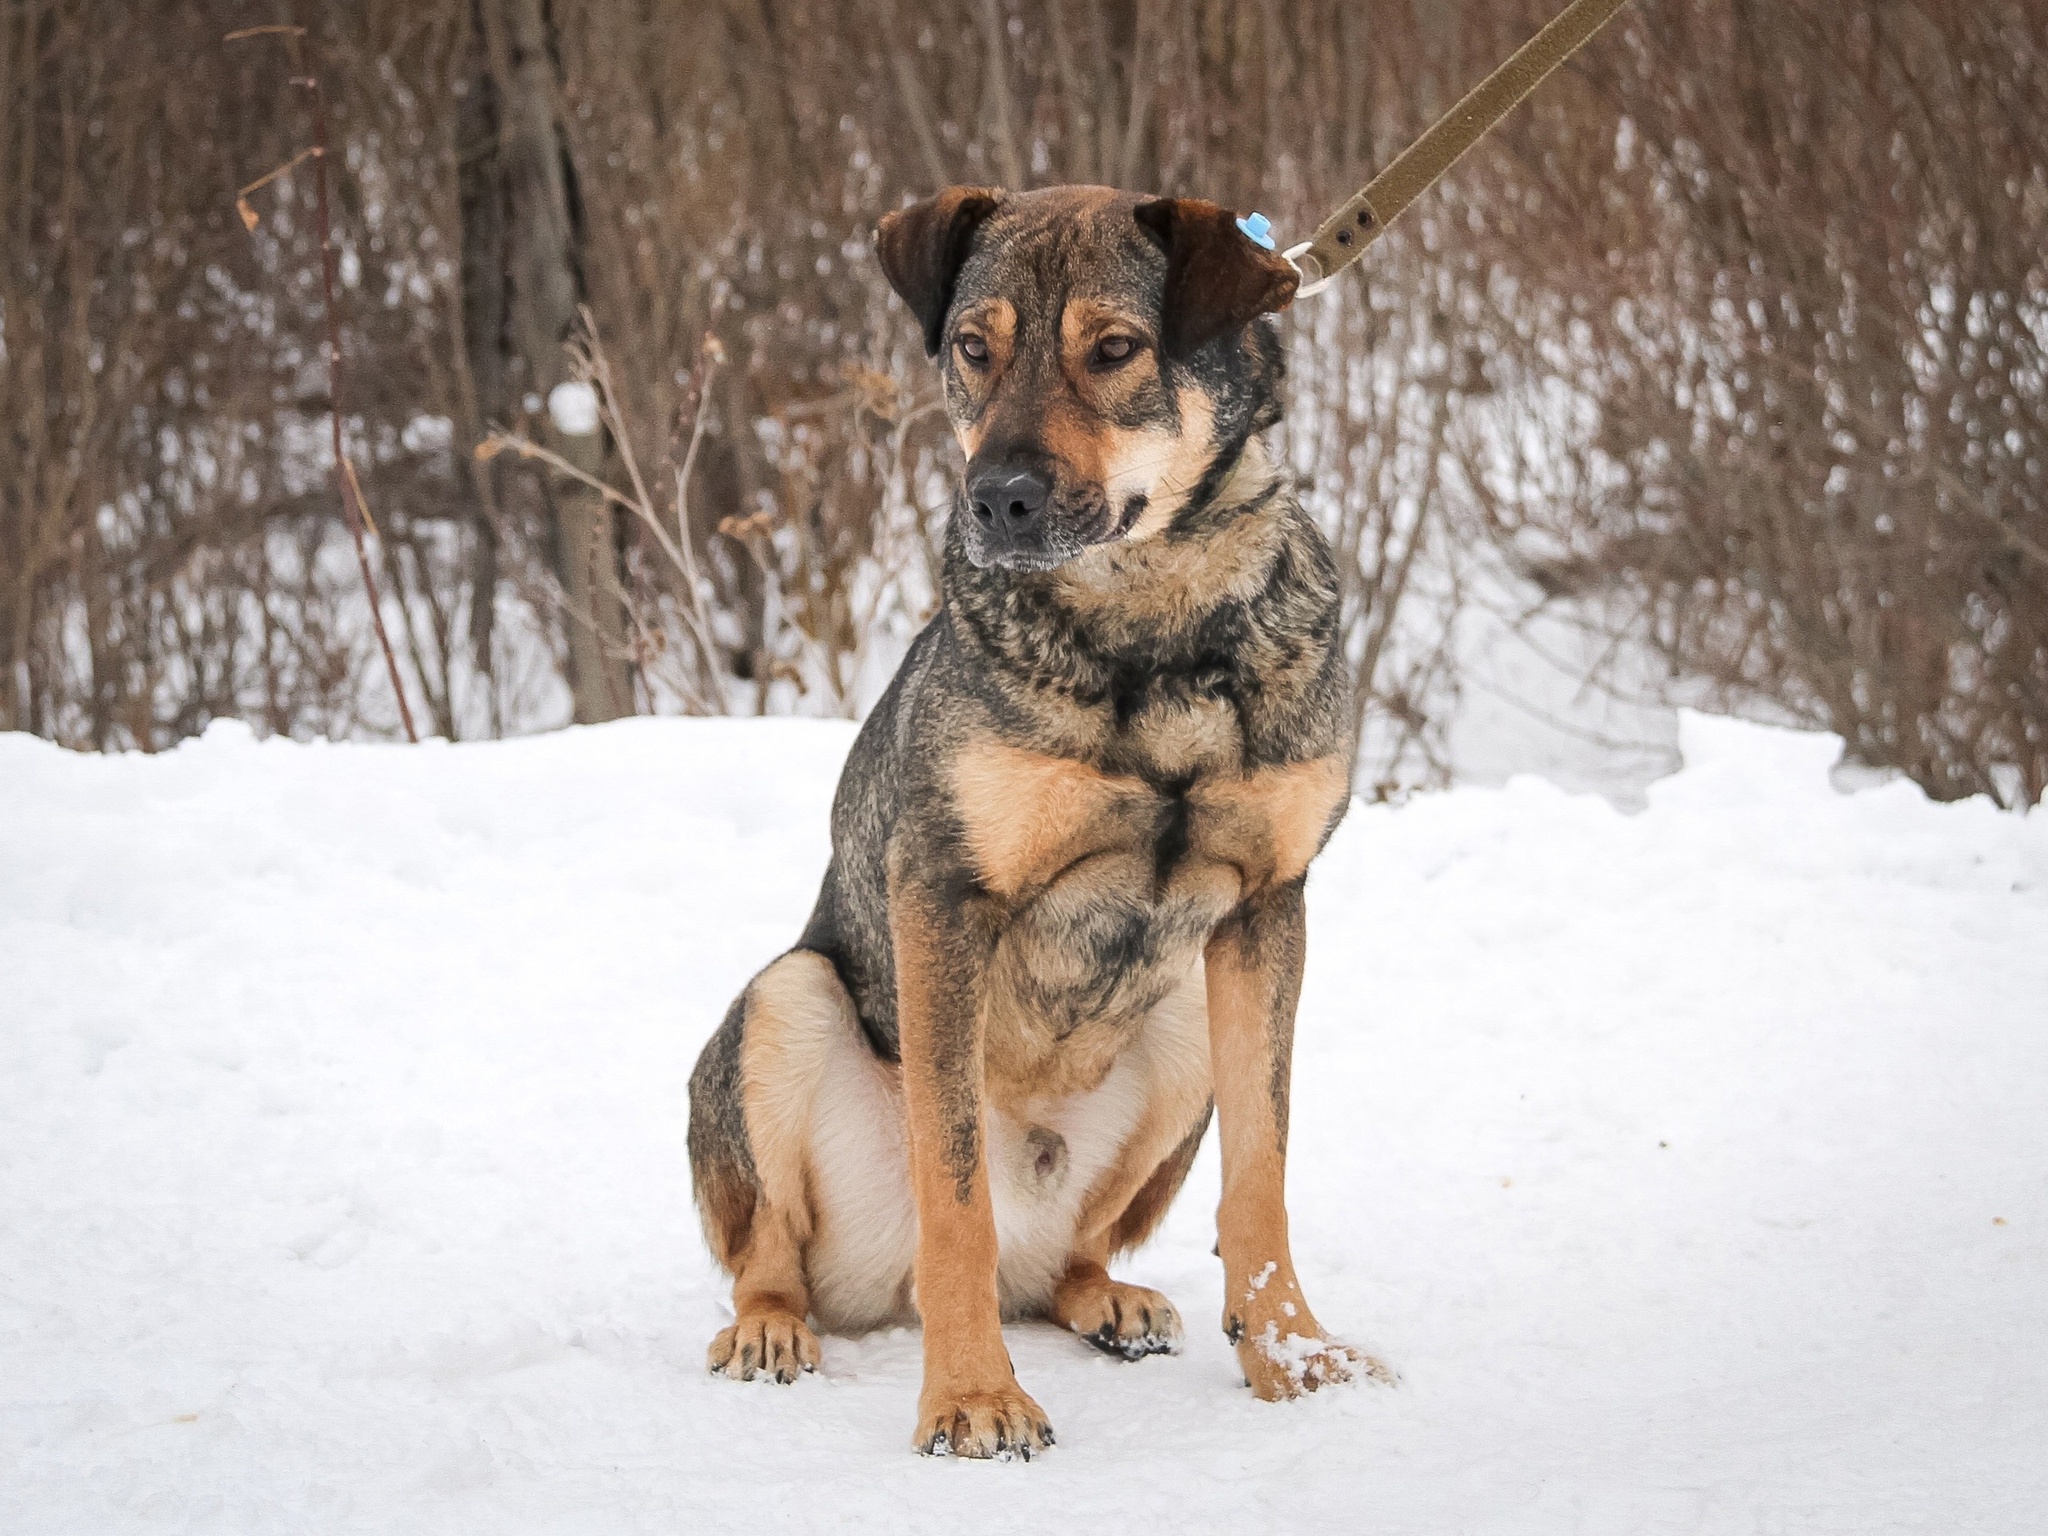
(971,1404)
(1254,962)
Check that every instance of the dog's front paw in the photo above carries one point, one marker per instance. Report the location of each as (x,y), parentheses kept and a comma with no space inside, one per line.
(1280,1346)
(770,1343)
(1279,1365)
(995,1423)
(1124,1320)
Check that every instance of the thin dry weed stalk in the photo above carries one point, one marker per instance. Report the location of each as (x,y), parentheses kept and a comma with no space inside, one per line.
(694,675)
(347,486)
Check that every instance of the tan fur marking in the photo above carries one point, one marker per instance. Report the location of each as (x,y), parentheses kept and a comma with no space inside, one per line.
(1271,824)
(1079,441)
(1201,739)
(1027,815)
(1158,1135)
(995,321)
(728,1209)
(1149,1205)
(956,1237)
(1083,324)
(1168,467)
(793,1009)
(1086,321)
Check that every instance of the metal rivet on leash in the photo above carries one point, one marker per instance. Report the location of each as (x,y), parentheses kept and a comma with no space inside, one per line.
(1335,245)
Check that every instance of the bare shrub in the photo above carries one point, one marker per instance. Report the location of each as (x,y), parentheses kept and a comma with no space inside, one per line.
(1790,399)
(1731,341)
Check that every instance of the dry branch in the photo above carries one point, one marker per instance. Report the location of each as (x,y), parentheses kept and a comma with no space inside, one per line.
(347,487)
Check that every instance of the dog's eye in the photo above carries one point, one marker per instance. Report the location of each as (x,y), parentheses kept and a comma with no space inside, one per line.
(1112,350)
(973,348)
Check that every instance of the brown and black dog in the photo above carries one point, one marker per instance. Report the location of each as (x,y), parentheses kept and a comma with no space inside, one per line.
(1063,917)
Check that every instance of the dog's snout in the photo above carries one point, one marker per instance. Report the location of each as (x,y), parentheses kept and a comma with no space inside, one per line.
(1011,499)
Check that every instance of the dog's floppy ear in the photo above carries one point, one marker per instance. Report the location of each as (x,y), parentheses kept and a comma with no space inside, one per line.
(923,246)
(1217,279)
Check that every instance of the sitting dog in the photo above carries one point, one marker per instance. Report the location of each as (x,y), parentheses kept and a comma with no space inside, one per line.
(1063,919)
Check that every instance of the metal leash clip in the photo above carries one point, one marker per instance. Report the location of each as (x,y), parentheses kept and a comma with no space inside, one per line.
(1313,280)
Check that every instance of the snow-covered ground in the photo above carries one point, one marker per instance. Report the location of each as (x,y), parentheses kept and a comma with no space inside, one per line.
(1691,1166)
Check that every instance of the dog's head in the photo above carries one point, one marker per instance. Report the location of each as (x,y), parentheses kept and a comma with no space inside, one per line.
(1103,356)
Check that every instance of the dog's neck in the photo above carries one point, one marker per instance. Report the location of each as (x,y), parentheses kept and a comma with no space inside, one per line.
(1218,549)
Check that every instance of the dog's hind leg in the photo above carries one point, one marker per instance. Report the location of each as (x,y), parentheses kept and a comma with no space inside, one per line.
(751,1099)
(1131,1198)
(1115,1316)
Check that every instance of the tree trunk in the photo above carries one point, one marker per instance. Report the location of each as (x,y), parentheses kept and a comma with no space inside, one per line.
(541,289)
(485,397)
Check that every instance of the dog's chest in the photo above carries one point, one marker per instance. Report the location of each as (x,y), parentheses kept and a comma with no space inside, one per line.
(1109,884)
(1030,820)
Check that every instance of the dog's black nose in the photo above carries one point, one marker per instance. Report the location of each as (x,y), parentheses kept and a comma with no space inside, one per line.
(1009,503)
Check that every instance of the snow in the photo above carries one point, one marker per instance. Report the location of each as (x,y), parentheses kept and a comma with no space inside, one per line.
(572,406)
(1690,1167)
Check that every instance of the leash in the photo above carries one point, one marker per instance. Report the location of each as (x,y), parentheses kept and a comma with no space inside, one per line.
(1345,234)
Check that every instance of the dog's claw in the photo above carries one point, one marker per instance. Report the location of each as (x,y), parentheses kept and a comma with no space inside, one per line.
(1134,1346)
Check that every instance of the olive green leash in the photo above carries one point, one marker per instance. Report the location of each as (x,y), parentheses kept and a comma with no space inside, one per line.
(1345,234)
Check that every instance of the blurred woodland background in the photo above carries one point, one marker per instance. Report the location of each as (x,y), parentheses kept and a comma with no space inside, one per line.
(1729,347)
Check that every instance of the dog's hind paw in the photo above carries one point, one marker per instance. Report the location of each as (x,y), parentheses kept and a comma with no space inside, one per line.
(775,1345)
(1127,1321)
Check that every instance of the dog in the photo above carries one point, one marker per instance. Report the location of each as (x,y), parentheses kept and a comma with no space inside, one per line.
(1063,921)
